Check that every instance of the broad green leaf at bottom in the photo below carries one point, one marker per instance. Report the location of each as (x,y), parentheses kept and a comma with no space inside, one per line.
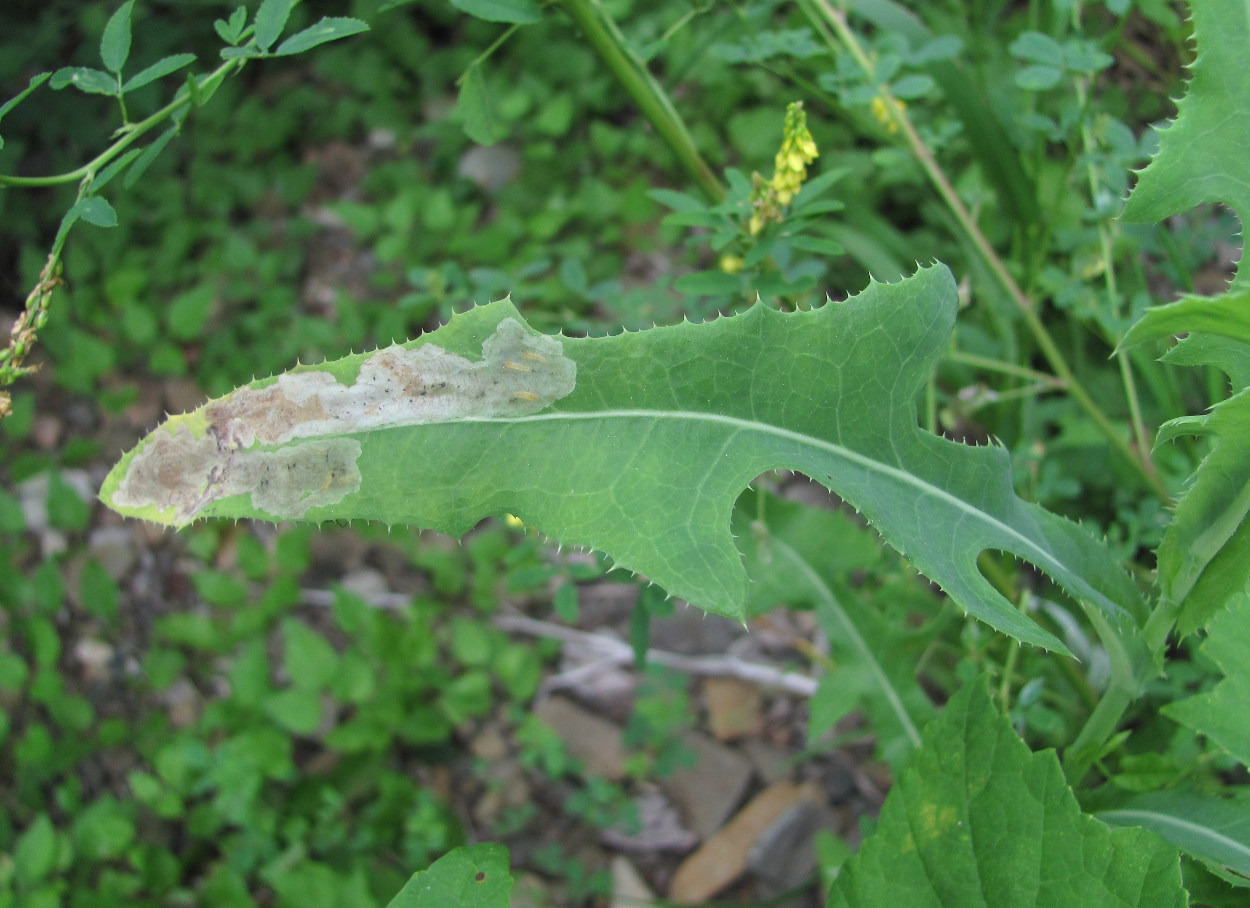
(473,876)
(979,820)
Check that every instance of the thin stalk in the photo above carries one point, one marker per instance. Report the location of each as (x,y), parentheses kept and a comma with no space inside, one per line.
(604,36)
(998,365)
(132,133)
(1050,350)
(1113,292)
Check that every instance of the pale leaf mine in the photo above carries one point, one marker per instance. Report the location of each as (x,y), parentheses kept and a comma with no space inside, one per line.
(520,373)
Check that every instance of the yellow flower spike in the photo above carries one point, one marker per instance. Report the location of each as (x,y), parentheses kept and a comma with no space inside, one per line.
(798,149)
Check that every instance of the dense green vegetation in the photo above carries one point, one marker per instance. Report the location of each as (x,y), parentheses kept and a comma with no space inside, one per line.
(208,717)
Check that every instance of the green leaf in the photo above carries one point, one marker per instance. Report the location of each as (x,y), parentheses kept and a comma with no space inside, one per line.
(85,79)
(115,42)
(1204,557)
(1220,713)
(113,169)
(517,12)
(1209,828)
(295,709)
(231,30)
(472,876)
(800,556)
(36,852)
(148,155)
(328,29)
(977,819)
(271,18)
(97,210)
(482,122)
(1201,153)
(636,445)
(713,282)
(158,70)
(310,660)
(1038,47)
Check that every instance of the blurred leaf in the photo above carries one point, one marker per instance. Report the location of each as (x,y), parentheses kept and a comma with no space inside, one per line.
(1220,713)
(309,658)
(36,852)
(1038,47)
(1214,829)
(103,831)
(158,70)
(295,709)
(85,79)
(712,282)
(800,555)
(115,42)
(1200,157)
(230,30)
(271,18)
(148,155)
(977,819)
(328,29)
(518,12)
(97,210)
(66,508)
(476,104)
(472,876)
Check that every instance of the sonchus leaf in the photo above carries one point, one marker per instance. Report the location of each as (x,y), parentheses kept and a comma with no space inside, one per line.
(636,445)
(1201,155)
(979,820)
(1204,557)
(1220,713)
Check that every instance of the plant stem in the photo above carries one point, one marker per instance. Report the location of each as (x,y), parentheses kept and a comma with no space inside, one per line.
(132,132)
(1139,460)
(604,36)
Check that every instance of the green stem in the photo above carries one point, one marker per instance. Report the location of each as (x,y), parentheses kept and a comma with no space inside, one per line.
(604,36)
(132,133)
(1050,350)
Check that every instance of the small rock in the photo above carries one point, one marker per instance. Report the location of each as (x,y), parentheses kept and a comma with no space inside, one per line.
(45,432)
(366,583)
(629,889)
(492,167)
(489,745)
(733,708)
(661,828)
(96,659)
(771,763)
(115,548)
(723,857)
(594,741)
(785,853)
(709,790)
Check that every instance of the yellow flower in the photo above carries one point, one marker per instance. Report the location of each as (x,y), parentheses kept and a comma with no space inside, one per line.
(880,108)
(731,264)
(798,149)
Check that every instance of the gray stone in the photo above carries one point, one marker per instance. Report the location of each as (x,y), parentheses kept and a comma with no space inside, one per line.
(709,790)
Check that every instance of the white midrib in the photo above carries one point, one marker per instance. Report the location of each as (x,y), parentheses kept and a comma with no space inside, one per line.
(1135,818)
(1028,549)
(831,602)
